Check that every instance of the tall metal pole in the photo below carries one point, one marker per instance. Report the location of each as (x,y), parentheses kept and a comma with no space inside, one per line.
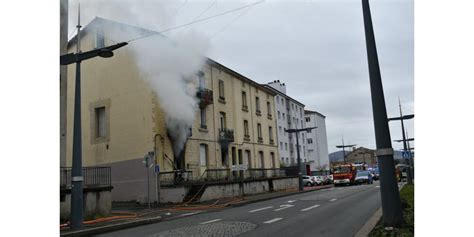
(300,175)
(77,179)
(343,151)
(391,205)
(405,149)
(410,158)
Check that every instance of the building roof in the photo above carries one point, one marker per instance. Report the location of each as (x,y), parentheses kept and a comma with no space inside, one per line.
(313,112)
(97,21)
(282,94)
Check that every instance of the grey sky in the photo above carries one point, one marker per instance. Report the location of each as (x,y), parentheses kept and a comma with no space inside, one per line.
(318,49)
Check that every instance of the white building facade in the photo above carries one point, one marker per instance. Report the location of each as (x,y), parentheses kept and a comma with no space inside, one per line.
(317,143)
(289,115)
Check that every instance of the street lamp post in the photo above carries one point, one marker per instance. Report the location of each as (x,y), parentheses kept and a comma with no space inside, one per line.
(76,174)
(390,196)
(405,140)
(300,175)
(344,150)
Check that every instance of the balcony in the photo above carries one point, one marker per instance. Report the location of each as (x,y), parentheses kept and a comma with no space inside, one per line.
(226,135)
(272,142)
(260,140)
(246,137)
(245,108)
(269,116)
(205,97)
(258,113)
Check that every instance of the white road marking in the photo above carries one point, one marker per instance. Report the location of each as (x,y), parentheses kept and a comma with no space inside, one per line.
(272,220)
(207,222)
(292,201)
(339,188)
(263,208)
(377,186)
(332,200)
(309,208)
(284,207)
(191,213)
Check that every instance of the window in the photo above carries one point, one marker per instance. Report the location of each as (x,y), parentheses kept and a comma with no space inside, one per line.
(222,120)
(279,129)
(202,82)
(282,102)
(279,115)
(221,90)
(310,140)
(269,109)
(283,116)
(262,159)
(286,146)
(257,105)
(301,112)
(246,129)
(203,154)
(308,119)
(101,126)
(301,123)
(203,118)
(270,134)
(244,100)
(259,131)
(281,146)
(272,157)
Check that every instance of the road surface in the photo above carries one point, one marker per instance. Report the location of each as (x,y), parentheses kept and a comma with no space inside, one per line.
(337,211)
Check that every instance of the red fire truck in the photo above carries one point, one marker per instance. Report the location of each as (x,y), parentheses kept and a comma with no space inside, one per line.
(345,174)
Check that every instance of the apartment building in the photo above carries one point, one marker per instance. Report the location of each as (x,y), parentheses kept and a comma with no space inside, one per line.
(317,140)
(290,114)
(123,119)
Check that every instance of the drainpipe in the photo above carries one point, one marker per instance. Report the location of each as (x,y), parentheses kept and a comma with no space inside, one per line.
(157,181)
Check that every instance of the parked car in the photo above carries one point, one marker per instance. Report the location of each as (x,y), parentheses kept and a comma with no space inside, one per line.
(363,176)
(317,180)
(308,181)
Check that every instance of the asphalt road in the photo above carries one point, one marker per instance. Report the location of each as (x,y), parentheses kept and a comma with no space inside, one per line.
(337,211)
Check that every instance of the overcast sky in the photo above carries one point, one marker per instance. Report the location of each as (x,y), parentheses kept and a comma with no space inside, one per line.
(316,47)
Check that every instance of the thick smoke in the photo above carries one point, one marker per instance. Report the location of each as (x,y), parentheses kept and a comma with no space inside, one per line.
(168,63)
(170,67)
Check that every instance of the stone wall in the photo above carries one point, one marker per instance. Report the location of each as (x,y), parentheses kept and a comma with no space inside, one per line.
(96,203)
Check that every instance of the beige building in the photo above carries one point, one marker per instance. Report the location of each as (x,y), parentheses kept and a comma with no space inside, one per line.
(362,155)
(122,119)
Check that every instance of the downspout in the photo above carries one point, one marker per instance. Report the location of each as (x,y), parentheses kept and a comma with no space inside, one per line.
(157,181)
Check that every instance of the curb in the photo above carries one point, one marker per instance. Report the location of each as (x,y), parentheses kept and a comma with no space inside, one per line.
(283,195)
(109,228)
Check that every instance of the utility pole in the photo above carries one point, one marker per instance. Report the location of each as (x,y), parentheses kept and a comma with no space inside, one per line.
(343,149)
(77,178)
(300,175)
(391,205)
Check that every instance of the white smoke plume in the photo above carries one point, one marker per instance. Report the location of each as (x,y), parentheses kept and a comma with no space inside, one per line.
(168,63)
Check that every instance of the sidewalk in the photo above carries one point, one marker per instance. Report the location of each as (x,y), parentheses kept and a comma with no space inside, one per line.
(124,218)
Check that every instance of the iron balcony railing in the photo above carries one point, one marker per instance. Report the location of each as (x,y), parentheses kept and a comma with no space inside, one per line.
(176,177)
(96,176)
(205,97)
(226,134)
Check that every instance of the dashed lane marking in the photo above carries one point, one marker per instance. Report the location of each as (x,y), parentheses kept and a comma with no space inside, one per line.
(291,201)
(282,207)
(332,200)
(207,222)
(377,186)
(263,208)
(191,213)
(309,208)
(272,220)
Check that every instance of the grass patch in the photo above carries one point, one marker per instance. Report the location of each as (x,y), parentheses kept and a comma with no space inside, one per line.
(407,196)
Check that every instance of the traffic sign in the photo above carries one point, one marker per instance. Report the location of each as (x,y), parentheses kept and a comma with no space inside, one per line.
(157,168)
(405,154)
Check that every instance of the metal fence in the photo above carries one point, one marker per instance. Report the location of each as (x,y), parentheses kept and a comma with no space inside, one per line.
(177,177)
(97,176)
